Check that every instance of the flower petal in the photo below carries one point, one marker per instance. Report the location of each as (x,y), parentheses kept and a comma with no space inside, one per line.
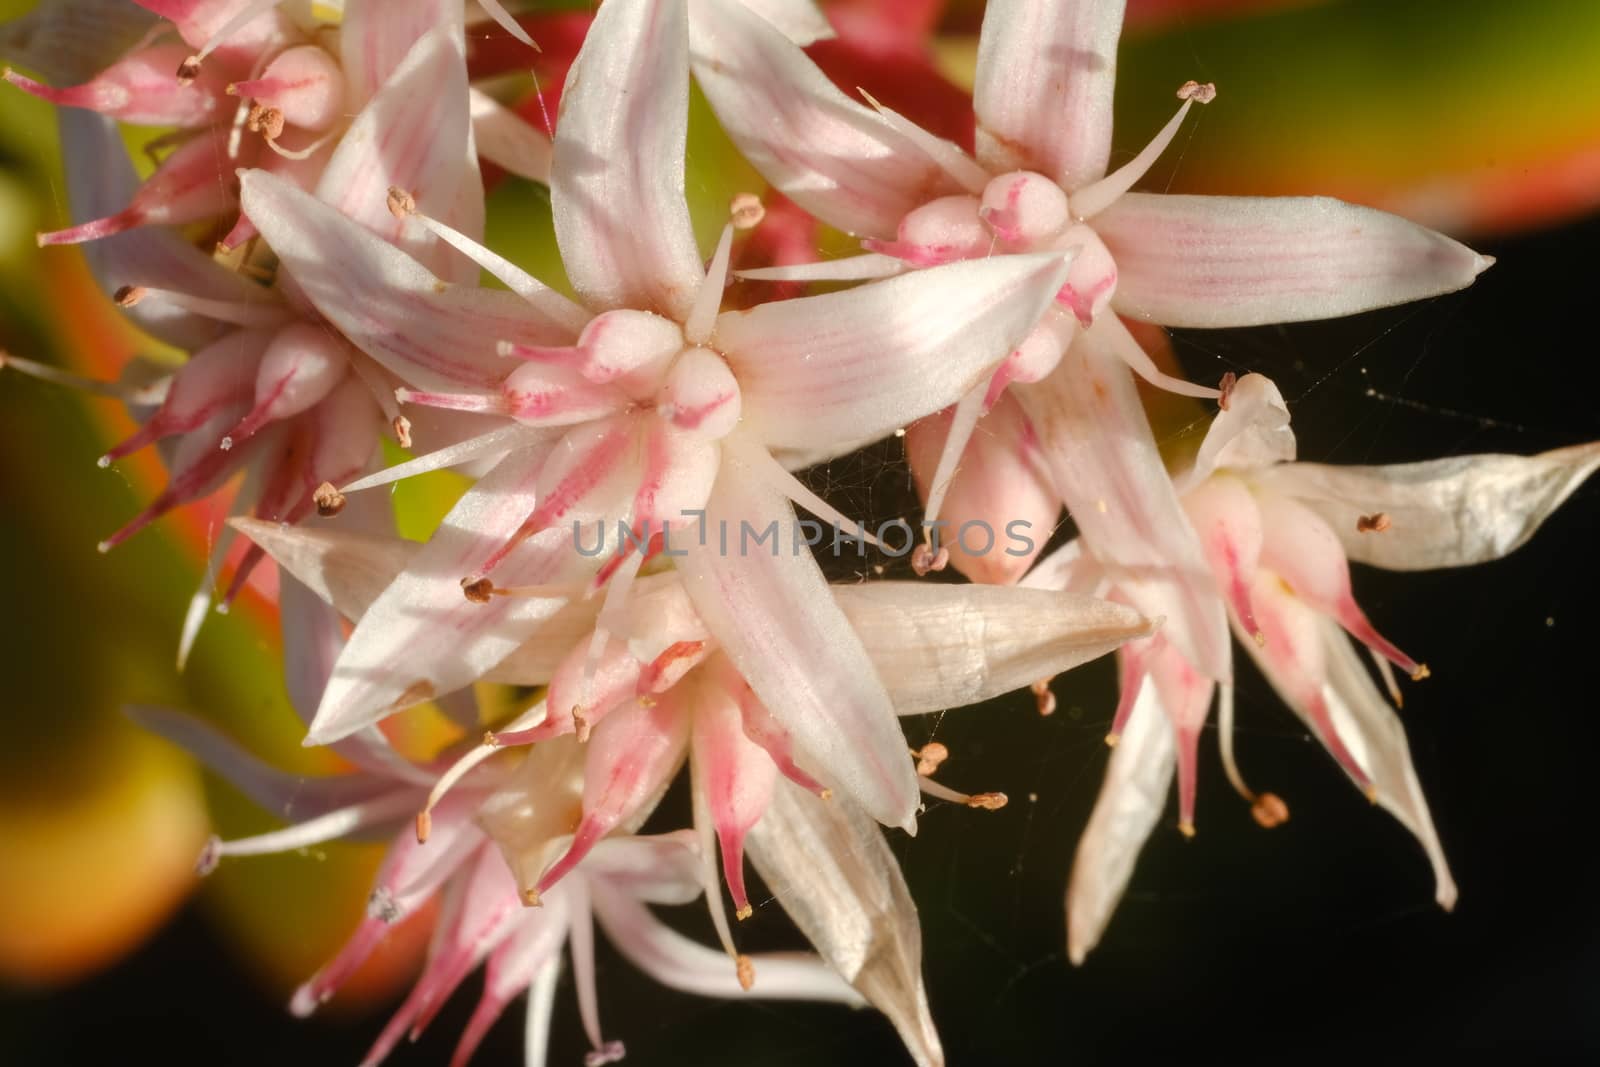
(1097,443)
(844,368)
(1442,513)
(802,21)
(508,140)
(944,646)
(1251,261)
(1132,798)
(616,186)
(347,570)
(832,871)
(1252,432)
(433,335)
(1047,70)
(773,613)
(376,35)
(422,636)
(833,156)
(413,135)
(1376,739)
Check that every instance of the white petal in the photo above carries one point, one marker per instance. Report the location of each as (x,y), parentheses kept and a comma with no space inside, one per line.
(1251,433)
(944,646)
(347,570)
(772,612)
(1132,798)
(845,367)
(1252,261)
(1442,513)
(1102,456)
(832,871)
(616,186)
(431,334)
(375,36)
(834,157)
(508,140)
(799,20)
(1046,73)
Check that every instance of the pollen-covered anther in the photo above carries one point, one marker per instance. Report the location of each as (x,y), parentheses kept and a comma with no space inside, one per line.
(930,756)
(1044,697)
(265,120)
(1199,92)
(402,431)
(1225,389)
(582,727)
(1186,828)
(424,826)
(189,70)
(1370,791)
(987,801)
(401,203)
(746,211)
(925,559)
(744,912)
(128,295)
(745,968)
(1421,672)
(1112,738)
(1377,522)
(1269,810)
(479,591)
(328,499)
(531,899)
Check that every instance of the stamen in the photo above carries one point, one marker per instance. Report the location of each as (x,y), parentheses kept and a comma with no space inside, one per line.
(266,312)
(565,312)
(153,393)
(493,9)
(480,590)
(191,66)
(984,801)
(502,439)
(951,159)
(1131,352)
(329,500)
(335,824)
(485,404)
(968,410)
(1095,198)
(708,298)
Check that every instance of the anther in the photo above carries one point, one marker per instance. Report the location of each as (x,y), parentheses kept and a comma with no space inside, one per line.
(530,898)
(1199,92)
(128,295)
(987,801)
(402,431)
(1269,810)
(929,757)
(329,500)
(746,969)
(1044,697)
(1186,829)
(746,211)
(744,913)
(581,725)
(480,591)
(1225,387)
(1421,672)
(1112,738)
(424,826)
(189,70)
(925,559)
(209,856)
(1377,522)
(401,203)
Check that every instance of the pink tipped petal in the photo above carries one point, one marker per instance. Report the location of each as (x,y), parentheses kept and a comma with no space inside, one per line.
(422,636)
(1132,798)
(834,157)
(411,136)
(616,186)
(1251,433)
(1046,73)
(736,777)
(631,757)
(940,646)
(771,610)
(1377,740)
(842,368)
(431,334)
(835,875)
(100,181)
(508,140)
(1186,698)
(679,963)
(376,36)
(1250,261)
(516,965)
(1103,458)
(1442,513)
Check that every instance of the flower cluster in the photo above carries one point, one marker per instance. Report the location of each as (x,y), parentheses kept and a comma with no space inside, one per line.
(1004,300)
